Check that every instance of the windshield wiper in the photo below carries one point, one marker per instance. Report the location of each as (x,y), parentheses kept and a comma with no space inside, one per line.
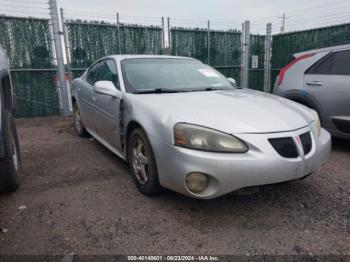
(210,89)
(158,91)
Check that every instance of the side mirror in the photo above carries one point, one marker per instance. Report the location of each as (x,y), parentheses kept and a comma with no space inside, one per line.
(232,81)
(107,88)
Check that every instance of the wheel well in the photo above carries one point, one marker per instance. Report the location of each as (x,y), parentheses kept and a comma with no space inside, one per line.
(301,101)
(131,127)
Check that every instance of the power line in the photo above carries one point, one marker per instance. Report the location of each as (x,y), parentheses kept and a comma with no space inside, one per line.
(18,6)
(23,12)
(314,8)
(26,2)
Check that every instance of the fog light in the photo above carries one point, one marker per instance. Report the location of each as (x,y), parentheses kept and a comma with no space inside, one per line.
(197,182)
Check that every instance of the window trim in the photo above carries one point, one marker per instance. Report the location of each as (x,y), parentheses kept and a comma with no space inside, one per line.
(101,61)
(330,55)
(334,56)
(89,70)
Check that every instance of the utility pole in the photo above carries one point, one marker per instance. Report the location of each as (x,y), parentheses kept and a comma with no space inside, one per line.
(284,18)
(59,57)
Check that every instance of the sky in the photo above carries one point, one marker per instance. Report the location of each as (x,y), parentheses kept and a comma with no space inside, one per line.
(223,14)
(226,14)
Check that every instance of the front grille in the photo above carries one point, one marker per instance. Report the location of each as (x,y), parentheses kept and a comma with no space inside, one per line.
(284,146)
(306,142)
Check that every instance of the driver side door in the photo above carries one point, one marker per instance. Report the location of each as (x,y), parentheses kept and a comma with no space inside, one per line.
(106,107)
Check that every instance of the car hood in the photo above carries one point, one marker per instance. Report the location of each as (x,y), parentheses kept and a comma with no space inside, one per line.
(232,111)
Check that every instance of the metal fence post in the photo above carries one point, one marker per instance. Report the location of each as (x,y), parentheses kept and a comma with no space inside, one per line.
(66,44)
(118,32)
(246,48)
(242,55)
(267,64)
(208,42)
(59,57)
(169,36)
(163,36)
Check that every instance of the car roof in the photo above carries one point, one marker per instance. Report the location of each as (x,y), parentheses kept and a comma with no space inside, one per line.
(324,50)
(122,57)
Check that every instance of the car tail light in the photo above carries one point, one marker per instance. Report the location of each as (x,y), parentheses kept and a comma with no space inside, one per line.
(284,69)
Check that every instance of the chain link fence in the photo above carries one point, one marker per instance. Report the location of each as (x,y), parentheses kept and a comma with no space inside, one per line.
(89,41)
(256,62)
(28,46)
(222,50)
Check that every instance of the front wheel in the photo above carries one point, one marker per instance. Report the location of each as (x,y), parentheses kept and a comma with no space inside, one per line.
(10,165)
(142,163)
(78,124)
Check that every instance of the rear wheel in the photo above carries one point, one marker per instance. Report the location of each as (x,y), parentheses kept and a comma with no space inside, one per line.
(10,165)
(78,124)
(142,163)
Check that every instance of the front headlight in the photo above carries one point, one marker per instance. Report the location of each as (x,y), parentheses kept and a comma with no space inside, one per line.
(317,121)
(206,139)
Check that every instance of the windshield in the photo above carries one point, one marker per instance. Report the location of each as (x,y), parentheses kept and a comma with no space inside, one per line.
(143,75)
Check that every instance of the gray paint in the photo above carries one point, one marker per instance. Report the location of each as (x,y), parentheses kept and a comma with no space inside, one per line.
(330,99)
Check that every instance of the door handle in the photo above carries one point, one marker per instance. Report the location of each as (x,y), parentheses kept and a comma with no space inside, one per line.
(314,83)
(94,99)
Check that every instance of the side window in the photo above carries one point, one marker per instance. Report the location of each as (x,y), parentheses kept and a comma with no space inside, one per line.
(108,72)
(341,63)
(93,74)
(322,67)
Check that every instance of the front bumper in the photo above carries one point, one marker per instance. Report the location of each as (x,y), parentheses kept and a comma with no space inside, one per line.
(231,171)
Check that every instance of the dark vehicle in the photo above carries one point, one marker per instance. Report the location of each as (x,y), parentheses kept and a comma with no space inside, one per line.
(10,160)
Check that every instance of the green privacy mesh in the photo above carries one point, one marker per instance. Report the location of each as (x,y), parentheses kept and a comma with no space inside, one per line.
(190,42)
(36,93)
(257,49)
(225,48)
(89,41)
(141,40)
(27,42)
(28,45)
(285,45)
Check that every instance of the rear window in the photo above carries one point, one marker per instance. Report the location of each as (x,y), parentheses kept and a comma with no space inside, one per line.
(322,67)
(341,63)
(332,64)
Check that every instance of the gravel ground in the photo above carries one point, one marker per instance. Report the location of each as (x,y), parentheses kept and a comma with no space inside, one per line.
(77,197)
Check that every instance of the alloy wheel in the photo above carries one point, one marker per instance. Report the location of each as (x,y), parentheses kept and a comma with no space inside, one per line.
(140,161)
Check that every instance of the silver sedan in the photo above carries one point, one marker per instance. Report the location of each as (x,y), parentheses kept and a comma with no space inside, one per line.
(183,126)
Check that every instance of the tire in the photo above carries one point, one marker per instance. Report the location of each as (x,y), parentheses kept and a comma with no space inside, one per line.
(10,165)
(150,185)
(78,124)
